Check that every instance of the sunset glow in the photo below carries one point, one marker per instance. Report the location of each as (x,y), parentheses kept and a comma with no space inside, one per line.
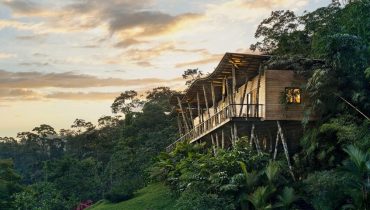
(62,60)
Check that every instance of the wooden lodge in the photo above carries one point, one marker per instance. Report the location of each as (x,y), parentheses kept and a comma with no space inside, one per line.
(241,99)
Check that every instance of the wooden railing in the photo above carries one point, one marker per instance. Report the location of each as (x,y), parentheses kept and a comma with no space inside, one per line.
(230,111)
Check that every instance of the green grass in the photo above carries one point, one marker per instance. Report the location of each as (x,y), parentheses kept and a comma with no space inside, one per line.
(152,197)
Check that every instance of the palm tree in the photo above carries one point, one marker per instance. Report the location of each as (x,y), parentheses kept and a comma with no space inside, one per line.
(259,198)
(287,198)
(357,169)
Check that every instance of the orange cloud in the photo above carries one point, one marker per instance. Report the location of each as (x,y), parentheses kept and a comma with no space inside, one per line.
(205,60)
(68,80)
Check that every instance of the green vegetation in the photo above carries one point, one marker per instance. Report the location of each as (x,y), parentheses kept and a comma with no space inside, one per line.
(154,196)
(115,159)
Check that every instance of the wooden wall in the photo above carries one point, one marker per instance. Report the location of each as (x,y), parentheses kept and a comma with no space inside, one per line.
(272,89)
(276,82)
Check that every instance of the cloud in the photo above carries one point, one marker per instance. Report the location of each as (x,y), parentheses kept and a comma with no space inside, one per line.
(18,93)
(6,55)
(143,56)
(69,80)
(37,64)
(24,7)
(83,96)
(250,10)
(205,60)
(128,42)
(131,21)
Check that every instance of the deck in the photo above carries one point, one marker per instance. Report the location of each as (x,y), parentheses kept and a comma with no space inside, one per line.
(229,113)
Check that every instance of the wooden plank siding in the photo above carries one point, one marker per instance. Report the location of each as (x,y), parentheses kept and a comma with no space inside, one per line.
(276,82)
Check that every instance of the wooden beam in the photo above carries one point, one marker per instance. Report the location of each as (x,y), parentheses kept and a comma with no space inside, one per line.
(285,146)
(222,139)
(179,125)
(213,145)
(243,95)
(183,115)
(198,106)
(256,112)
(214,101)
(217,142)
(191,115)
(207,107)
(232,135)
(223,89)
(235,132)
(233,95)
(254,139)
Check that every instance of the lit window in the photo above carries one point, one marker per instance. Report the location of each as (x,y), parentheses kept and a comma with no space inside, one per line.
(293,95)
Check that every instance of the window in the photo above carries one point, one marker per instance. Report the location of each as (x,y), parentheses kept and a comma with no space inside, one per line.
(293,95)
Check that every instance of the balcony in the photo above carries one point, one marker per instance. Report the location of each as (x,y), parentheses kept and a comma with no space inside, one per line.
(225,115)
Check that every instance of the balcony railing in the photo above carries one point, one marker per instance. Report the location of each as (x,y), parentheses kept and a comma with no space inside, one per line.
(225,114)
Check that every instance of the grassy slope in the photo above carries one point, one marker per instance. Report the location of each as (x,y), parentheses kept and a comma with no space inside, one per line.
(153,197)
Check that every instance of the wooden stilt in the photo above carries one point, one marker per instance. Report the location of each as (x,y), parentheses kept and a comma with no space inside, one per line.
(214,102)
(222,139)
(243,95)
(213,145)
(183,115)
(191,115)
(223,89)
(217,142)
(228,98)
(280,134)
(270,144)
(233,89)
(276,144)
(256,112)
(254,139)
(199,115)
(179,125)
(235,133)
(232,136)
(207,107)
(285,149)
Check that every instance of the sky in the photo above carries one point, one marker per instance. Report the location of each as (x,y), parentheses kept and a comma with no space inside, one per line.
(67,59)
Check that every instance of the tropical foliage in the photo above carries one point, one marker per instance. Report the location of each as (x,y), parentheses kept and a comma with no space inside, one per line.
(46,169)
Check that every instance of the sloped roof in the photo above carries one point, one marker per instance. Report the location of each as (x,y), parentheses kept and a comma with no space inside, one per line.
(244,64)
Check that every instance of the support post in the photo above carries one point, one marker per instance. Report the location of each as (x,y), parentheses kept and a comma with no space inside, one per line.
(199,115)
(229,113)
(243,95)
(233,95)
(232,136)
(256,112)
(183,115)
(217,142)
(207,107)
(285,146)
(179,125)
(235,132)
(214,103)
(191,115)
(223,89)
(222,139)
(254,139)
(213,145)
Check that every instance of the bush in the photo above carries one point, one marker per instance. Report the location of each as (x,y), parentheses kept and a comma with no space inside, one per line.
(121,192)
(324,190)
(195,200)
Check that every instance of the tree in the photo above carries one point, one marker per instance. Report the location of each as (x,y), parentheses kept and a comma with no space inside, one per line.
(191,75)
(9,183)
(126,102)
(161,96)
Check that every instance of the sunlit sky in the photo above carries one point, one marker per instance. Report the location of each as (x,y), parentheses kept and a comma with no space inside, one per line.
(67,59)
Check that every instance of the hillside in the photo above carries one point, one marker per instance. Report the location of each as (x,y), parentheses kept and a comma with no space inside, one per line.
(155,196)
